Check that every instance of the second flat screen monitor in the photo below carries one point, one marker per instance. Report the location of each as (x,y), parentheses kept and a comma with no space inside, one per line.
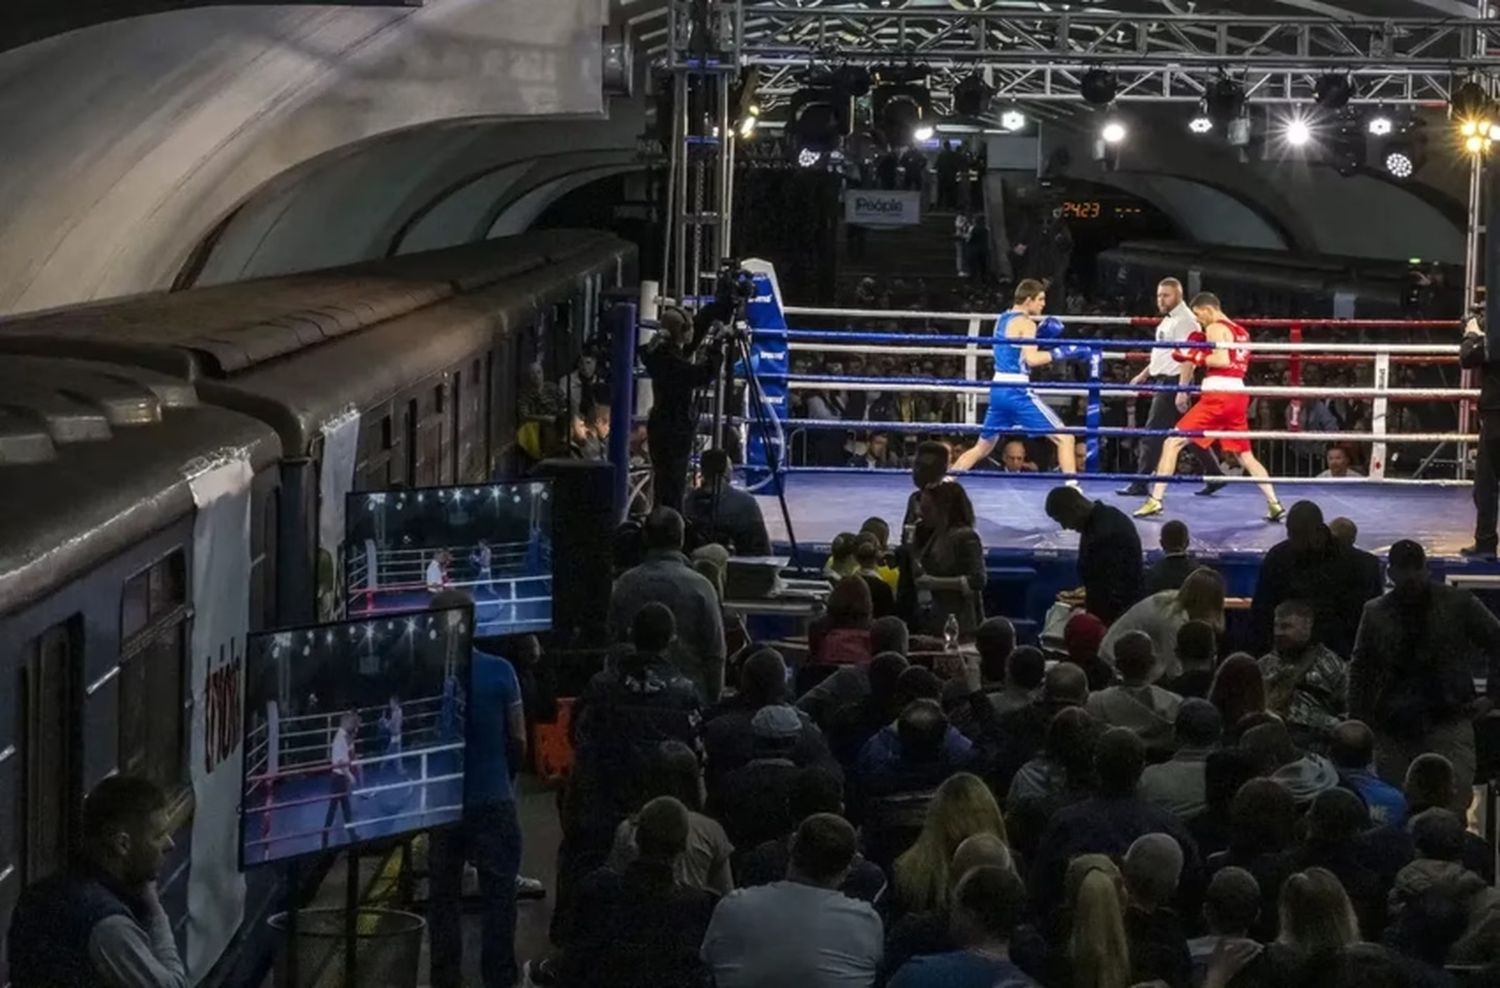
(492,541)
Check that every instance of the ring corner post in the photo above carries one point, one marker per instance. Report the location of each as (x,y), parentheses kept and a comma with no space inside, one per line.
(1093,413)
(622,332)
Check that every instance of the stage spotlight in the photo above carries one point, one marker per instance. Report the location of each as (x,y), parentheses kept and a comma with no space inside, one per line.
(852,79)
(1475,144)
(1239,132)
(1333,91)
(971,97)
(1113,131)
(1380,125)
(900,111)
(747,126)
(1013,120)
(807,157)
(818,118)
(1469,102)
(923,133)
(1098,87)
(1399,164)
(1297,132)
(1224,101)
(1202,123)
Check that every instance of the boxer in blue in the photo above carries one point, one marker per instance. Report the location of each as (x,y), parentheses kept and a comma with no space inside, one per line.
(1018,409)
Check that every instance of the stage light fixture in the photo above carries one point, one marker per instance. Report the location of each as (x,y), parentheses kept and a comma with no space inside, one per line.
(1399,163)
(1239,132)
(901,111)
(1474,144)
(923,133)
(1469,102)
(1013,120)
(1098,87)
(1334,90)
(852,79)
(971,97)
(1224,100)
(1113,131)
(818,118)
(807,157)
(1380,125)
(1202,123)
(1297,132)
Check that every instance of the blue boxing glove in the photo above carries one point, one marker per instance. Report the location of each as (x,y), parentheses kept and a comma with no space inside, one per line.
(1050,328)
(1071,351)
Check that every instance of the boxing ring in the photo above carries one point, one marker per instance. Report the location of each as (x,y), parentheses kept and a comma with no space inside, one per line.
(514,597)
(403,782)
(1029,557)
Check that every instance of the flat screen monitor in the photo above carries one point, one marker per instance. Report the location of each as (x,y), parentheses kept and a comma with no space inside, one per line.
(492,541)
(354,731)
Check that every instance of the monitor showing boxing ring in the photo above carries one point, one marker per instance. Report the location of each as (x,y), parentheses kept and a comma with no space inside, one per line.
(492,541)
(354,731)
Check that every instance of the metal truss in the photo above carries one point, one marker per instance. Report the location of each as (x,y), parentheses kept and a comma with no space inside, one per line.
(1156,58)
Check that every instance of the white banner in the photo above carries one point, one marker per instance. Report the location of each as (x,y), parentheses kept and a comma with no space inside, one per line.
(221,617)
(865,207)
(335,481)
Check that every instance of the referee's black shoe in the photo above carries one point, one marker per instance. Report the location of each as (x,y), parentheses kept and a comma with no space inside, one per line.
(1133,490)
(1211,488)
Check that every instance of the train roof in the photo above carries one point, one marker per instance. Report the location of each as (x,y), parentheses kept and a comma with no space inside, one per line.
(95,457)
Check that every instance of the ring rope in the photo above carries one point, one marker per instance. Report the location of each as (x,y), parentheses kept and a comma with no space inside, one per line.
(1263,323)
(960,428)
(980,347)
(1389,349)
(805,382)
(1057,478)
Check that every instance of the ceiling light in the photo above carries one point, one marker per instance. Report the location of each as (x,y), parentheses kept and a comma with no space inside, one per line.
(807,157)
(1013,120)
(1113,131)
(1224,100)
(1298,133)
(1201,124)
(923,133)
(1469,101)
(1474,144)
(1380,125)
(1398,164)
(971,97)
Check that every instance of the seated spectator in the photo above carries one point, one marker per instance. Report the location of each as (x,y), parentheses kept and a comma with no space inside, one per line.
(1231,907)
(800,931)
(704,861)
(853,724)
(1332,828)
(852,682)
(868,554)
(1197,652)
(962,807)
(1169,572)
(841,561)
(1061,775)
(101,922)
(930,932)
(1307,685)
(1025,668)
(1107,823)
(813,791)
(1014,458)
(1303,774)
(1430,782)
(752,800)
(949,563)
(1019,735)
(1316,918)
(1438,835)
(916,753)
(842,635)
(986,907)
(1082,636)
(877,527)
(1224,772)
(1344,531)
(876,453)
(1238,690)
(640,927)
(1180,785)
(1351,748)
(1340,462)
(728,736)
(1149,711)
(995,640)
(665,577)
(1158,947)
(1159,616)
(1095,951)
(627,710)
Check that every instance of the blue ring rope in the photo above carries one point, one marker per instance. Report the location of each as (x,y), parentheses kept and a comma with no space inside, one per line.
(918,339)
(1121,388)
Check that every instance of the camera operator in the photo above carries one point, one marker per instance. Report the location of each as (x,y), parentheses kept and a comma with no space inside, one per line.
(678,365)
(1472,355)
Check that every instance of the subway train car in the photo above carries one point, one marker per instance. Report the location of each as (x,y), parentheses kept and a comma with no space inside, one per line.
(402,371)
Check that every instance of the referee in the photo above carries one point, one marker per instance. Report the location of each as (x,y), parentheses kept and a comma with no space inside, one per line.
(1176,324)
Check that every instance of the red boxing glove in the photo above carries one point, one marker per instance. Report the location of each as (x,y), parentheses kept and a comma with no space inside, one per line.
(1196,355)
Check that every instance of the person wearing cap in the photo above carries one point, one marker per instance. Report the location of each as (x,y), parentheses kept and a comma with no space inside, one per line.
(729,736)
(751,801)
(1411,674)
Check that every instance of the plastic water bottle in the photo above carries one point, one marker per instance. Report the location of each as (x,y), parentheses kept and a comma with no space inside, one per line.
(950,634)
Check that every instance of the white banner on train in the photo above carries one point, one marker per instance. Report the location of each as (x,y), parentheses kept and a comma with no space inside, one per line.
(865,208)
(221,618)
(335,481)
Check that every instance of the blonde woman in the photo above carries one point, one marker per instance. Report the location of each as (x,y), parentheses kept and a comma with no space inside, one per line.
(1200,598)
(1316,914)
(1098,955)
(963,807)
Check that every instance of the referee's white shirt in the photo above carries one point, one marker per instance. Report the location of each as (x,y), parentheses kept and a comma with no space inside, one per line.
(1174,328)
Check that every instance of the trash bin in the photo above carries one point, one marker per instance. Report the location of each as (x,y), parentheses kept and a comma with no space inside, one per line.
(388,948)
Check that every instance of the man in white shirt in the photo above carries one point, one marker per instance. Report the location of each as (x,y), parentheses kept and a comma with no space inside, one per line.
(437,571)
(1176,324)
(801,931)
(342,774)
(1340,463)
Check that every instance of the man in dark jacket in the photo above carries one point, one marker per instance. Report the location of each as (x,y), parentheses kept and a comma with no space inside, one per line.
(1311,565)
(102,923)
(678,369)
(729,735)
(1411,677)
(717,511)
(1109,551)
(1473,355)
(1168,572)
(927,468)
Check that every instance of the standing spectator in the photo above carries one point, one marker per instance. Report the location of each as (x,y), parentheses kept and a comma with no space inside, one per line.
(1109,551)
(1307,685)
(928,467)
(1149,711)
(1351,748)
(1310,565)
(578,386)
(640,927)
(1180,785)
(1197,652)
(490,835)
(665,576)
(676,375)
(914,170)
(949,161)
(800,931)
(102,923)
(1472,355)
(1411,677)
(986,907)
(1161,615)
(717,511)
(950,563)
(978,252)
(1168,572)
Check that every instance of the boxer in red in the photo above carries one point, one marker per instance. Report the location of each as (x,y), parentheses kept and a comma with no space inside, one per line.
(1222,404)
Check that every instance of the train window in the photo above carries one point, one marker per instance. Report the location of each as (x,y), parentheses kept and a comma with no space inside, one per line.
(135,604)
(411,443)
(49,705)
(437,400)
(153,693)
(385,432)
